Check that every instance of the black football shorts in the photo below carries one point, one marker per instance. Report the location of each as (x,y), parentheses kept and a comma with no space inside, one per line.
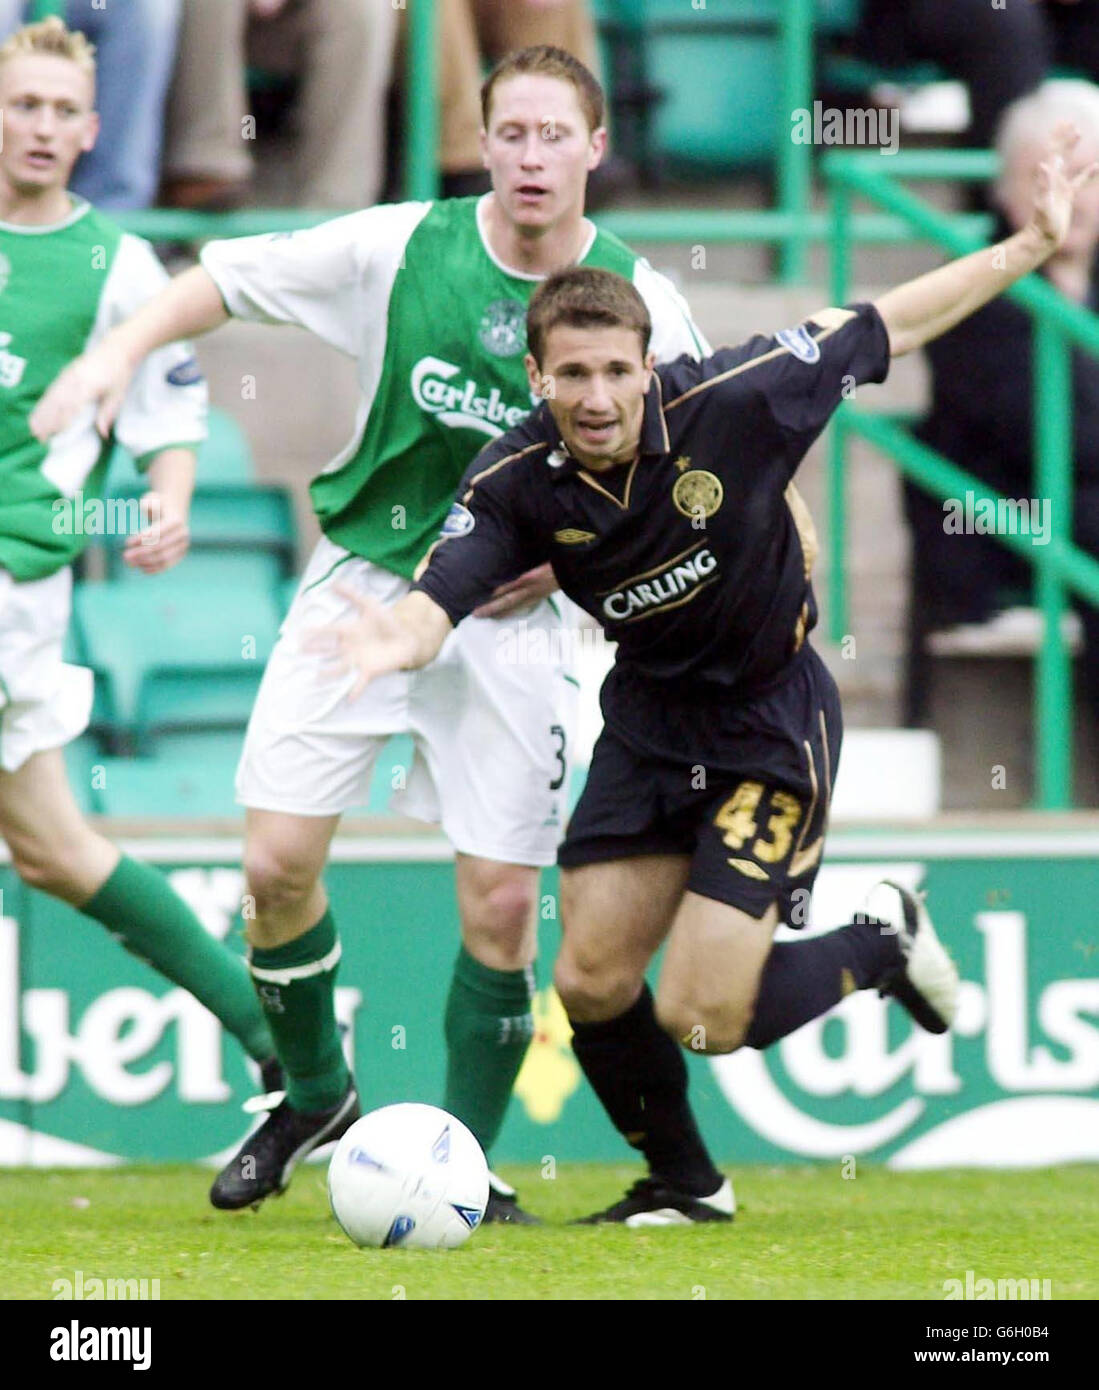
(748,802)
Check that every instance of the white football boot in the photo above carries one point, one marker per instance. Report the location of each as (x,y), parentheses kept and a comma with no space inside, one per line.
(926,981)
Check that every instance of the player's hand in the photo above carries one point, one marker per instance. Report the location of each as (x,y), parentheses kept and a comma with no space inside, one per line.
(519,594)
(1057,189)
(371,644)
(164,538)
(100,377)
(266,9)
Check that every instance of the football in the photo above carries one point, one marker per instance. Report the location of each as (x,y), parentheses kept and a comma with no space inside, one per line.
(408,1175)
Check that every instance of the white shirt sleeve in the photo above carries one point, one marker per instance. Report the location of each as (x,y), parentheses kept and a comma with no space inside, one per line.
(674,331)
(330,279)
(167,400)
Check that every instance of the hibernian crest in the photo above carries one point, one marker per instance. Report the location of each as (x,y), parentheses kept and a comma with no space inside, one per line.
(502,329)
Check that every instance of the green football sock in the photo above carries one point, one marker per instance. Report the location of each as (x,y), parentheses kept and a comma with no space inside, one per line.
(488,1030)
(140,909)
(296,984)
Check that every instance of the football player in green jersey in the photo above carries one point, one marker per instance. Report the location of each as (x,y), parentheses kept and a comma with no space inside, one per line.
(430,300)
(67,274)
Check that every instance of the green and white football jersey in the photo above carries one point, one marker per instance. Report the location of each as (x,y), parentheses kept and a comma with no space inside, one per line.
(437,327)
(62,287)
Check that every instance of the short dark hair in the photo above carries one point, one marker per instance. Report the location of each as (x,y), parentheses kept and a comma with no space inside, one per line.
(584,297)
(544,60)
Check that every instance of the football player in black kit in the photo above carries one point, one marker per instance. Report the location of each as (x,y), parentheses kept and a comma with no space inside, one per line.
(663,498)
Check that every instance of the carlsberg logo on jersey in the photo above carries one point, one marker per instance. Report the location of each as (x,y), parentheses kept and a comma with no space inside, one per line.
(672,582)
(462,404)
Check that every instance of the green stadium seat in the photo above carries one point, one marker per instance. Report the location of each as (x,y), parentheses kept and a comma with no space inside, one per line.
(244,514)
(192,698)
(736,126)
(241,535)
(669,51)
(168,645)
(189,776)
(731,50)
(288,590)
(838,16)
(101,723)
(257,571)
(82,757)
(188,773)
(224,457)
(846,73)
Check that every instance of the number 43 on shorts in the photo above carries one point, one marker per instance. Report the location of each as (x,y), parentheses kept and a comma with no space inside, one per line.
(739,819)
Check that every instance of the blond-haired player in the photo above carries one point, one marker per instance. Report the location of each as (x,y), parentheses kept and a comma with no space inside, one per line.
(67,276)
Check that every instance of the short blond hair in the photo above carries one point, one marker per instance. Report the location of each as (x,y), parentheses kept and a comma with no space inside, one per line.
(544,60)
(51,37)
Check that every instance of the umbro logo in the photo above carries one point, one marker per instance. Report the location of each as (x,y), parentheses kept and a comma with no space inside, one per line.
(749,868)
(571,536)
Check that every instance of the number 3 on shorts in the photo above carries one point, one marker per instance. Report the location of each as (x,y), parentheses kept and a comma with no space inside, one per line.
(557,732)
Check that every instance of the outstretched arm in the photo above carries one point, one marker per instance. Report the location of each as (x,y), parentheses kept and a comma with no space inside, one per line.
(190,305)
(923,309)
(381,639)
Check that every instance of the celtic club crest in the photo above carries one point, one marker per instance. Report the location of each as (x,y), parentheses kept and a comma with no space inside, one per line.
(698,492)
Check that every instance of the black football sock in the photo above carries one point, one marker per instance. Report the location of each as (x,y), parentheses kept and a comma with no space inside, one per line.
(804,979)
(640,1076)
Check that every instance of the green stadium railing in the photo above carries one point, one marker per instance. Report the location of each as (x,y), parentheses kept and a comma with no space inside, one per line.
(422,176)
(794,160)
(1060,566)
(672,226)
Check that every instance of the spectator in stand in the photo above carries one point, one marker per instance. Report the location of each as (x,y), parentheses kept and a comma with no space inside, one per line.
(135,46)
(342,51)
(472,32)
(981,415)
(1000,52)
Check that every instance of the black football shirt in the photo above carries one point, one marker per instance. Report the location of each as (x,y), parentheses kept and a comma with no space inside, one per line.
(696,557)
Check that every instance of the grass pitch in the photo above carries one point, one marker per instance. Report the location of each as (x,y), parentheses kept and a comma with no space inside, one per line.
(801,1233)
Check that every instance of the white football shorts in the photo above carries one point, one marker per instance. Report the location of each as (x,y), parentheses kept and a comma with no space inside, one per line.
(491,720)
(44,702)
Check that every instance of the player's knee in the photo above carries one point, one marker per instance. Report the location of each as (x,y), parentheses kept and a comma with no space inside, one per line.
(701,1028)
(498,914)
(507,905)
(51,868)
(592,991)
(275,879)
(36,870)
